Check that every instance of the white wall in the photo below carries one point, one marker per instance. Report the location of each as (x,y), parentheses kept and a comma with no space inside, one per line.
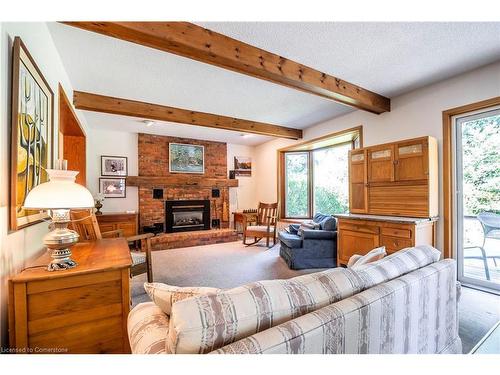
(115,143)
(118,143)
(245,195)
(415,114)
(18,247)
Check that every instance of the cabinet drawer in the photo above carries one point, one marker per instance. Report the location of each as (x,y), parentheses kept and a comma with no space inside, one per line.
(393,244)
(107,227)
(360,228)
(129,229)
(396,232)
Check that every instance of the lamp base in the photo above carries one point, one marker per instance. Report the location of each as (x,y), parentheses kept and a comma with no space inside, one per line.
(61,260)
(59,241)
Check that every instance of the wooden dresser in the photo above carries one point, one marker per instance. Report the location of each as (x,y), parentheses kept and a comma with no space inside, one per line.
(358,234)
(127,222)
(80,310)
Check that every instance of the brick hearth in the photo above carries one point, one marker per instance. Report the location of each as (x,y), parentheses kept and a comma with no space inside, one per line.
(167,241)
(154,162)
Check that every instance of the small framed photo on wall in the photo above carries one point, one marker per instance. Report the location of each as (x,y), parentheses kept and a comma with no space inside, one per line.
(112,187)
(243,166)
(114,166)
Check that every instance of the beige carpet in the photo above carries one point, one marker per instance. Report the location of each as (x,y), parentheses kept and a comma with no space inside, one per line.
(222,266)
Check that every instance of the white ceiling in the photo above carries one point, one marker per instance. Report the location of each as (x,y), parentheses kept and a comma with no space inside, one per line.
(388,58)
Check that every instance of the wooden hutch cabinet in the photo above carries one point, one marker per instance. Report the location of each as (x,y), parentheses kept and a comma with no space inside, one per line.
(393,197)
(358,185)
(397,179)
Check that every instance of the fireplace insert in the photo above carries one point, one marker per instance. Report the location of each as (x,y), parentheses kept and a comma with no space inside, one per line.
(187,215)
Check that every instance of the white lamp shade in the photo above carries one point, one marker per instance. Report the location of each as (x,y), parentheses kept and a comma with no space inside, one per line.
(60,192)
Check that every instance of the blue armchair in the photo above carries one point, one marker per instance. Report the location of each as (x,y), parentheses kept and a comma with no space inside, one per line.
(310,248)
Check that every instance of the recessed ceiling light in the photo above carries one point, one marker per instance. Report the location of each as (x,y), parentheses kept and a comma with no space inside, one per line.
(148,123)
(244,135)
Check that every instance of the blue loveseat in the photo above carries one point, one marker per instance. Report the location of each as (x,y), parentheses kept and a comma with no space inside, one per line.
(310,248)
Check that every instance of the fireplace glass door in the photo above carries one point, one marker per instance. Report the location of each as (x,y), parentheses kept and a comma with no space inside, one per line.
(188,219)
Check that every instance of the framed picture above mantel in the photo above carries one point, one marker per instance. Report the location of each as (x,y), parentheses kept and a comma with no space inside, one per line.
(186,158)
(32,134)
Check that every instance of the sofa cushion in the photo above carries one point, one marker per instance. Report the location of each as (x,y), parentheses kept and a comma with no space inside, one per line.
(208,322)
(291,240)
(310,224)
(397,264)
(310,234)
(373,255)
(147,329)
(164,295)
(260,228)
(326,222)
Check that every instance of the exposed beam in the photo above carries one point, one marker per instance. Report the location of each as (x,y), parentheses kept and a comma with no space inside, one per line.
(195,42)
(119,106)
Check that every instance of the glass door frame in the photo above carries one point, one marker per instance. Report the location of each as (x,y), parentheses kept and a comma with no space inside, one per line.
(309,184)
(458,227)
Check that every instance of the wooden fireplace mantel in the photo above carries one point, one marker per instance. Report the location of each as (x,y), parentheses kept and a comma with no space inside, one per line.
(181,180)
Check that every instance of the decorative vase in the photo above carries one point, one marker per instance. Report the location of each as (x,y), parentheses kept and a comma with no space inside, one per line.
(98,206)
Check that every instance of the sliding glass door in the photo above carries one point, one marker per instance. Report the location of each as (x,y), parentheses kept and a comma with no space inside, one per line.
(477,203)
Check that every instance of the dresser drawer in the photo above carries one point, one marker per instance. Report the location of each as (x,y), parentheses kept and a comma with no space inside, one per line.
(396,232)
(393,244)
(106,227)
(363,228)
(129,229)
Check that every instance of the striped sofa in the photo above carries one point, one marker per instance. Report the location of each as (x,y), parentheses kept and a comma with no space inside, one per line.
(403,303)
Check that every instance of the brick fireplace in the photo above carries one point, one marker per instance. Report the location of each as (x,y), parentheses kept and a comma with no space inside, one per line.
(160,189)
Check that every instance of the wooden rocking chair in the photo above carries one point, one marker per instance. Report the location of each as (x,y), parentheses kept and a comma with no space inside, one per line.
(265,226)
(86,225)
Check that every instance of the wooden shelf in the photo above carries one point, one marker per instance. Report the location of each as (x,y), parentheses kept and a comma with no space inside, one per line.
(180,181)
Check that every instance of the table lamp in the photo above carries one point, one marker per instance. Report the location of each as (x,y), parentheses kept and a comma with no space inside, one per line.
(58,196)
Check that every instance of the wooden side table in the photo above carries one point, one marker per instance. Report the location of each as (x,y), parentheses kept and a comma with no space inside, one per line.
(80,310)
(109,221)
(238,218)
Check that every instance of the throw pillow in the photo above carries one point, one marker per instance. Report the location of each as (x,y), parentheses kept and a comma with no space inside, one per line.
(208,322)
(372,256)
(164,295)
(310,225)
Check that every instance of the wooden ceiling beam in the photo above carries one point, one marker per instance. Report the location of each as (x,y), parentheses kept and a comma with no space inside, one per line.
(119,106)
(195,42)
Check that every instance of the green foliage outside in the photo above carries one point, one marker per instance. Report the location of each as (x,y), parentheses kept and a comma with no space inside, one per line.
(296,187)
(481,165)
(328,201)
(330,182)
